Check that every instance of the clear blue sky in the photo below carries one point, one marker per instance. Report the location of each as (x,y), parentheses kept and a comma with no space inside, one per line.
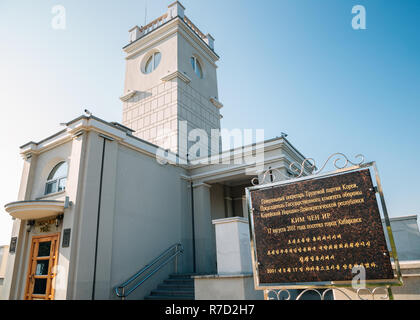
(293,66)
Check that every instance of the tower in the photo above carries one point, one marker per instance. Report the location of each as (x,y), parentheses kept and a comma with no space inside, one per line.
(171,82)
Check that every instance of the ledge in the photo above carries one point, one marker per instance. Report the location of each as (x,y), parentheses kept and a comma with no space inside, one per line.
(33,210)
(128,96)
(51,195)
(224,276)
(408,264)
(230,220)
(176,74)
(216,103)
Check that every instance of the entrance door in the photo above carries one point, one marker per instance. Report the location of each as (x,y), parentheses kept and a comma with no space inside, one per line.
(43,259)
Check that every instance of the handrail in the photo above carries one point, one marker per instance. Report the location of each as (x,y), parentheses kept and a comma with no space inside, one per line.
(121,291)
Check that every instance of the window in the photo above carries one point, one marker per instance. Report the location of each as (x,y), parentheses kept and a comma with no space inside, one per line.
(57,179)
(197,67)
(152,63)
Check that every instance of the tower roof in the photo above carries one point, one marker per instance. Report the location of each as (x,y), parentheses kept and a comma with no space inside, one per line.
(175,11)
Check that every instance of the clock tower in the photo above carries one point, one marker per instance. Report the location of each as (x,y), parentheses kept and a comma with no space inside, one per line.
(171,83)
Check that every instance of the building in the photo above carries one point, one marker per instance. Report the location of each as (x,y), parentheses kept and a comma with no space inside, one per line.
(3,262)
(95,205)
(99,201)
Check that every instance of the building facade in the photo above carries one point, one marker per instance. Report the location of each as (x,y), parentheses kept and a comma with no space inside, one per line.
(99,201)
(95,205)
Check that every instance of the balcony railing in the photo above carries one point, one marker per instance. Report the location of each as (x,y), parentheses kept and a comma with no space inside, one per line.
(154,24)
(165,18)
(194,28)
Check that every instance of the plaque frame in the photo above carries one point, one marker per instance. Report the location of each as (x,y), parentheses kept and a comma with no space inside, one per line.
(396,281)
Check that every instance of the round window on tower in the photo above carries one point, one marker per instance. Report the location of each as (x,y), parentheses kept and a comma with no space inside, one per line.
(152,62)
(197,67)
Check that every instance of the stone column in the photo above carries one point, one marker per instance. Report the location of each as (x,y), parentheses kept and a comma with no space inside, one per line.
(205,246)
(228,202)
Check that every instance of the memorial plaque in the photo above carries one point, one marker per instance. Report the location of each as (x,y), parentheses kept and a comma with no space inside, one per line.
(66,238)
(317,230)
(13,243)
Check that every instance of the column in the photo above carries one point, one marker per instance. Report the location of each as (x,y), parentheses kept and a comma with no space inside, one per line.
(205,246)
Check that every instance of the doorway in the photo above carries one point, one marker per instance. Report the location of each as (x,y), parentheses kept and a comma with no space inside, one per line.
(43,259)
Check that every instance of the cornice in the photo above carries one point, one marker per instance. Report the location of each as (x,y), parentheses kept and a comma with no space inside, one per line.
(128,95)
(177,74)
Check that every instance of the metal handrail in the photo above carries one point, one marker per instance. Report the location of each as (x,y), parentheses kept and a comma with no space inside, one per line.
(121,291)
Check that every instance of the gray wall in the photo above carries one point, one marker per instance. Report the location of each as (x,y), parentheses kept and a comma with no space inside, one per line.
(152,212)
(407,237)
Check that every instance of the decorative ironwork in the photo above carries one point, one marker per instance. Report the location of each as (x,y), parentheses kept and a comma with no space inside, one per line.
(285,294)
(307,168)
(312,164)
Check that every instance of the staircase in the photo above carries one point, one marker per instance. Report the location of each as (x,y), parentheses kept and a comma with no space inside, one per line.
(177,287)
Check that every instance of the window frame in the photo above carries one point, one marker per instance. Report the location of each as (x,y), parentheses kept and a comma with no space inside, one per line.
(152,59)
(56,182)
(194,66)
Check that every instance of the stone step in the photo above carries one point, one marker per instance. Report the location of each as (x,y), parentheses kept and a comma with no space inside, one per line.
(160,292)
(189,297)
(182,276)
(179,281)
(176,286)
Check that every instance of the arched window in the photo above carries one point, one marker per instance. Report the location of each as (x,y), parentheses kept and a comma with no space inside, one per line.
(197,67)
(152,63)
(57,179)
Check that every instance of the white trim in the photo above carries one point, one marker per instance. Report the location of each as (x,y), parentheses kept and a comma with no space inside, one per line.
(216,103)
(201,184)
(409,264)
(230,220)
(177,74)
(128,96)
(32,210)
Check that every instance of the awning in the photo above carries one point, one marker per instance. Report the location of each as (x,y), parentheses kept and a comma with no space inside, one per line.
(33,210)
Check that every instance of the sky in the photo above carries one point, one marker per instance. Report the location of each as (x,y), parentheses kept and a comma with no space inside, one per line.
(294,66)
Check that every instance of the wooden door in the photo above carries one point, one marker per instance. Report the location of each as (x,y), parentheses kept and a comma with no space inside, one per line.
(43,259)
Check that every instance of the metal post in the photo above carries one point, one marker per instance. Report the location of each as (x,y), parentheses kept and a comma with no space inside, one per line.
(390,295)
(176,260)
